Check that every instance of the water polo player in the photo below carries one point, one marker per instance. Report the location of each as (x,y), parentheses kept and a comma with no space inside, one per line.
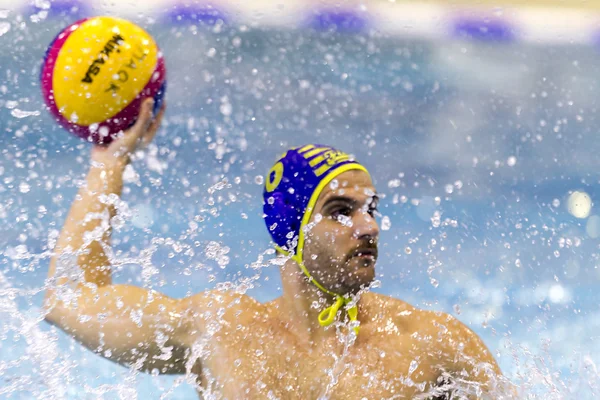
(326,336)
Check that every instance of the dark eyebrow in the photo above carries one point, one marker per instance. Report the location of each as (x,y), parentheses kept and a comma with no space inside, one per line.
(339,199)
(349,200)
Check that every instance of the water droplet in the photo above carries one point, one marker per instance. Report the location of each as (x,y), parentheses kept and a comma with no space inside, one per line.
(557,294)
(436,219)
(226,109)
(555,203)
(104,131)
(512,161)
(386,224)
(223,261)
(4,27)
(394,183)
(407,250)
(258,179)
(24,187)
(345,220)
(93,127)
(136,316)
(23,114)
(215,251)
(84,318)
(413,367)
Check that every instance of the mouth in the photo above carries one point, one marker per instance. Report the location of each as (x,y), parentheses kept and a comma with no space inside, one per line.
(367,254)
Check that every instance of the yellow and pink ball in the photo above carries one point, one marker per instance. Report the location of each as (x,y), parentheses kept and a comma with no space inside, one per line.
(96,73)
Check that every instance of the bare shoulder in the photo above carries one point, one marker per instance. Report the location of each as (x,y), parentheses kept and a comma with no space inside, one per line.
(423,320)
(411,316)
(223,307)
(456,349)
(439,328)
(386,305)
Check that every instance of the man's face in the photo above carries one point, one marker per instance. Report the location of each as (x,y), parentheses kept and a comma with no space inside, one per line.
(340,248)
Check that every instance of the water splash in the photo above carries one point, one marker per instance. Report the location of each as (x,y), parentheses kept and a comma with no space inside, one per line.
(4,27)
(41,349)
(17,113)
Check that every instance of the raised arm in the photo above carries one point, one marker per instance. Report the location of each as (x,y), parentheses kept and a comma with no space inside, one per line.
(126,324)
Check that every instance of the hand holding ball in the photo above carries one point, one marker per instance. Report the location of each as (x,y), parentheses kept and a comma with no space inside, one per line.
(96,73)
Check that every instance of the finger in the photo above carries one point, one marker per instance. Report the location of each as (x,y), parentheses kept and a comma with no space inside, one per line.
(133,134)
(154,126)
(145,116)
(143,119)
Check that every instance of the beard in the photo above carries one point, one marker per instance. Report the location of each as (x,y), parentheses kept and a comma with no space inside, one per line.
(344,275)
(359,274)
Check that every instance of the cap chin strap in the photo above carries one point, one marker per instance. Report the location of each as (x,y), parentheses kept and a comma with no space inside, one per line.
(327,316)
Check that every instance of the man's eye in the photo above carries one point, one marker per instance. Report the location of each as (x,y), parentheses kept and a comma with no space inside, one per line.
(345,211)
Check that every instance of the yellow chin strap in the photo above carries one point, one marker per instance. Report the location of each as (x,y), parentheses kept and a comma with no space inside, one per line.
(327,316)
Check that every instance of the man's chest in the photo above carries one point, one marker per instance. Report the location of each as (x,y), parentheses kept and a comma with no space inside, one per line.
(380,368)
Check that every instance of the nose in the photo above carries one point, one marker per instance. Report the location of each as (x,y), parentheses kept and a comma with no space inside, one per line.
(366,226)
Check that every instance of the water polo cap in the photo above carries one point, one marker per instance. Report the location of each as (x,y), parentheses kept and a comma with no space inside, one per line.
(292,188)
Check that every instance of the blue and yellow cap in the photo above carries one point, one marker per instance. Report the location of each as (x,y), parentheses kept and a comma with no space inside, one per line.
(292,188)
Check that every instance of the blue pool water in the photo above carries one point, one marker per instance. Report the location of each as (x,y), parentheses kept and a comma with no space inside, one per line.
(474,145)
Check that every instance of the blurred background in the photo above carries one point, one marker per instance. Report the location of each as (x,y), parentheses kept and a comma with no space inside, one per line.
(477,119)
